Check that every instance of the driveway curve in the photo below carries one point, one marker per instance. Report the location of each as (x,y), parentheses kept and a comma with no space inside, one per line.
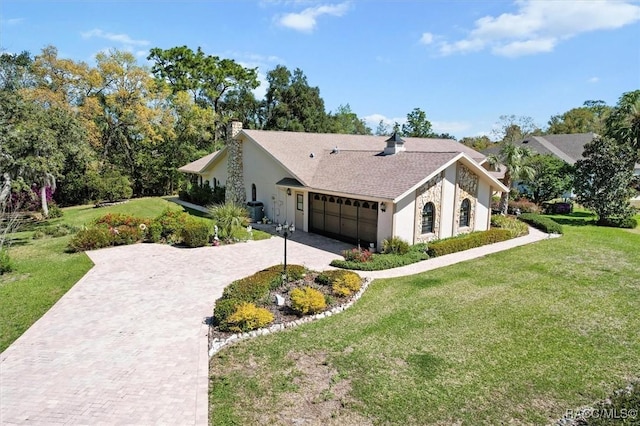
(128,343)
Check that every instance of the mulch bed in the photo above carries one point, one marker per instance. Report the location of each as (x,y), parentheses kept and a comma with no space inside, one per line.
(284,314)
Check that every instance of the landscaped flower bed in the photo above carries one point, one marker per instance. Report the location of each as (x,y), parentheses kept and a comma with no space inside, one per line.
(265,299)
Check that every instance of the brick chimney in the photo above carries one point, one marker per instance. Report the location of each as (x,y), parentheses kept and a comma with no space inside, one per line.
(235,190)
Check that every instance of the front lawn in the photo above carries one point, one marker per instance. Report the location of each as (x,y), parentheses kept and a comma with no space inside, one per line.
(517,337)
(44,272)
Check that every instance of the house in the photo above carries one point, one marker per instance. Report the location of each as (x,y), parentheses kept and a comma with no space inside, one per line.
(356,188)
(567,147)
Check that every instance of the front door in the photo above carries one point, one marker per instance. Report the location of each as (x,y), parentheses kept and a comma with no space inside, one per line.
(300,210)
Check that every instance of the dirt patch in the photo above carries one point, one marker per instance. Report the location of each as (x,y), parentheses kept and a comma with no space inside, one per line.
(322,396)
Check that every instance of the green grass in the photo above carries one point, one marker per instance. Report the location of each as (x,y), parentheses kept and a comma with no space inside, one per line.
(515,337)
(44,271)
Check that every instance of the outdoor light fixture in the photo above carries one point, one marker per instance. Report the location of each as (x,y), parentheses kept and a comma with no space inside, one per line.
(287,230)
(288,191)
(383,207)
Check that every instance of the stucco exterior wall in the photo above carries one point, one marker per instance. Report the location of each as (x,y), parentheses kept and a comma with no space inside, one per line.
(404,218)
(385,224)
(260,169)
(448,201)
(483,207)
(218,171)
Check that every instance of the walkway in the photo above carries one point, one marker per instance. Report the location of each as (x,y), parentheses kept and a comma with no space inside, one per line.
(128,343)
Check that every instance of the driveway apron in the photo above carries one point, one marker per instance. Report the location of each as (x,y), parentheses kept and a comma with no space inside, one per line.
(128,343)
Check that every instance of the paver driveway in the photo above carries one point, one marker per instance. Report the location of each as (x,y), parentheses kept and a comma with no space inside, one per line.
(128,344)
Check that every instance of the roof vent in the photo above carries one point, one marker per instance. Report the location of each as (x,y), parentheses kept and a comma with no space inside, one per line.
(395,144)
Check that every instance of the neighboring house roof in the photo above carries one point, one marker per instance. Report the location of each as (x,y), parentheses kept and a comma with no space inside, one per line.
(199,165)
(354,164)
(567,147)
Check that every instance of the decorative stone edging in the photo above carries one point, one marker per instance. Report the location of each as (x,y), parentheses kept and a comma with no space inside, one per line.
(217,344)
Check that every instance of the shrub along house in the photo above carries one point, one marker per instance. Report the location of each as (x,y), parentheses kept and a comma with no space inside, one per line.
(359,189)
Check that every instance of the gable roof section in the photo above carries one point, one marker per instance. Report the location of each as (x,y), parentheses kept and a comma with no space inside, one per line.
(200,164)
(293,149)
(567,147)
(354,164)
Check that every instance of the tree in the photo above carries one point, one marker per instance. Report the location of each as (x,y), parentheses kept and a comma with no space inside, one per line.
(512,128)
(552,177)
(382,129)
(346,121)
(603,179)
(292,105)
(623,124)
(588,118)
(477,142)
(513,159)
(417,125)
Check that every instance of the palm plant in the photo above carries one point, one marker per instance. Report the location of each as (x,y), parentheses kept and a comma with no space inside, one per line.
(513,159)
(228,217)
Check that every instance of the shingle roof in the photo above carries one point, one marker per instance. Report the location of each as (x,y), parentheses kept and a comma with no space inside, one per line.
(293,149)
(198,165)
(567,147)
(367,173)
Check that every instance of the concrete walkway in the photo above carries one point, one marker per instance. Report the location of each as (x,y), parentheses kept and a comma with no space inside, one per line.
(128,343)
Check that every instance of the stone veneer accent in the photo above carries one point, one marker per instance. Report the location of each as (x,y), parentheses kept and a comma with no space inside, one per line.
(466,187)
(235,190)
(430,192)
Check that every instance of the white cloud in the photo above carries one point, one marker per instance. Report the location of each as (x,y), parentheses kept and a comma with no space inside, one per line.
(427,38)
(539,25)
(118,38)
(307,20)
(452,127)
(593,80)
(374,119)
(12,21)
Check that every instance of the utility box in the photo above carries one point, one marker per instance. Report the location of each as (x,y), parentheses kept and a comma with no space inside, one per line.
(256,210)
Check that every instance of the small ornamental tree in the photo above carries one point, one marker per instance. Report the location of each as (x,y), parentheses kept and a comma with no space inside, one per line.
(551,179)
(603,179)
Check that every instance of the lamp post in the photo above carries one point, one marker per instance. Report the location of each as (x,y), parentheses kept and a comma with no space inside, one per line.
(287,229)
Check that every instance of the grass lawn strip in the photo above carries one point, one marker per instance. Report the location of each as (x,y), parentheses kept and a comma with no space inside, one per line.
(514,337)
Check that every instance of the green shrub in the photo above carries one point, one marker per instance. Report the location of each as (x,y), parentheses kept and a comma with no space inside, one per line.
(154,232)
(543,223)
(224,309)
(229,217)
(55,211)
(54,231)
(115,220)
(6,265)
(196,233)
(247,317)
(294,272)
(380,261)
(91,238)
(254,288)
(524,205)
(347,285)
(357,255)
(307,300)
(126,234)
(172,222)
(516,227)
(323,278)
(331,276)
(467,241)
(395,245)
(619,222)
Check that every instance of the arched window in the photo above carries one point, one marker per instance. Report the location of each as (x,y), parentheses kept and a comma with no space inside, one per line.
(465,209)
(254,192)
(428,218)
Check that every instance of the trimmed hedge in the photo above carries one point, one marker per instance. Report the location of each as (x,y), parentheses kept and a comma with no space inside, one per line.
(468,241)
(516,227)
(195,233)
(619,222)
(542,223)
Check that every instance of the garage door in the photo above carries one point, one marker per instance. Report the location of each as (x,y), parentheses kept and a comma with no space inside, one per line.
(346,219)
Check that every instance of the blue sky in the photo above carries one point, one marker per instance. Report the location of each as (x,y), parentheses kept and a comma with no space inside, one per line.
(464,63)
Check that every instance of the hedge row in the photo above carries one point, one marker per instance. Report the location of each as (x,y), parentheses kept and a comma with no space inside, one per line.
(467,241)
(543,223)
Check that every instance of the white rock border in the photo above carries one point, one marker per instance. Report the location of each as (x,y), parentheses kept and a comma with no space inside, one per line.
(216,345)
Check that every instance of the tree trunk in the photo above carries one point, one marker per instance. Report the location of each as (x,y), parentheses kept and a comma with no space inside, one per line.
(504,197)
(43,199)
